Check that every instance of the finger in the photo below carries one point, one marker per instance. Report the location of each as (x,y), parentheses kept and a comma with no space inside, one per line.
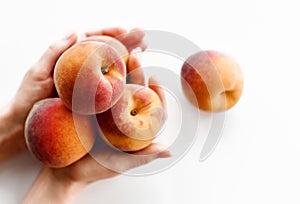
(98,38)
(135,35)
(46,63)
(145,156)
(133,39)
(113,32)
(135,74)
(88,169)
(160,150)
(141,44)
(155,86)
(142,157)
(121,162)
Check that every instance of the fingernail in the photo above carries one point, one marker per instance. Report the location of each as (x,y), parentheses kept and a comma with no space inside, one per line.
(164,154)
(143,46)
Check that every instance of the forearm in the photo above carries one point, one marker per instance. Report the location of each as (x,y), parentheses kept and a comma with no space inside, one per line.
(11,133)
(48,188)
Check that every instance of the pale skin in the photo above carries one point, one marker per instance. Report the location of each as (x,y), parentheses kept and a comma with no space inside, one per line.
(64,184)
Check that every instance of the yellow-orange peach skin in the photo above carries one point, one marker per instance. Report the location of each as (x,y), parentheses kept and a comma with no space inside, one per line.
(134,121)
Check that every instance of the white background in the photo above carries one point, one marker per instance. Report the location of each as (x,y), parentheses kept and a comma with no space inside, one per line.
(257,159)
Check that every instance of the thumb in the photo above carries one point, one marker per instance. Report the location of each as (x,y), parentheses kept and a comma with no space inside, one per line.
(47,61)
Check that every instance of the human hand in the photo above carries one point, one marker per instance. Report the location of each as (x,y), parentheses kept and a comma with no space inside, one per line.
(88,169)
(63,184)
(37,84)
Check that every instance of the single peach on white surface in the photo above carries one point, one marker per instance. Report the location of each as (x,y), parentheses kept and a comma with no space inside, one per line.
(134,121)
(215,79)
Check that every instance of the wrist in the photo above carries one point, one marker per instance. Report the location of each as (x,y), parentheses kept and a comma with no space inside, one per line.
(67,188)
(18,111)
(51,187)
(11,133)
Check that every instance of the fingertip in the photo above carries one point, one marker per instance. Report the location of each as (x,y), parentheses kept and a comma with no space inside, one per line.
(140,31)
(155,148)
(160,150)
(133,63)
(153,81)
(113,31)
(154,84)
(71,35)
(120,30)
(134,71)
(143,46)
(165,154)
(137,29)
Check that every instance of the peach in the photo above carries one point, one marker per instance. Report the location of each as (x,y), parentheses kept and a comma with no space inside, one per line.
(113,42)
(52,135)
(213,78)
(90,77)
(134,121)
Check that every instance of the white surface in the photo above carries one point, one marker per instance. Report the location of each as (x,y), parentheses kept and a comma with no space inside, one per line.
(257,159)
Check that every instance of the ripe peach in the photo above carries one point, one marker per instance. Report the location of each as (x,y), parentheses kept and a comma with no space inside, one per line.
(90,77)
(115,43)
(214,78)
(134,121)
(52,135)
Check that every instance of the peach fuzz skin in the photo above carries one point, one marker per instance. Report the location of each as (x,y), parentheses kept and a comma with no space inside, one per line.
(113,42)
(90,77)
(51,134)
(134,121)
(214,79)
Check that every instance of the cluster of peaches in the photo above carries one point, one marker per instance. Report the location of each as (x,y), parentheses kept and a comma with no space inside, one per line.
(94,101)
